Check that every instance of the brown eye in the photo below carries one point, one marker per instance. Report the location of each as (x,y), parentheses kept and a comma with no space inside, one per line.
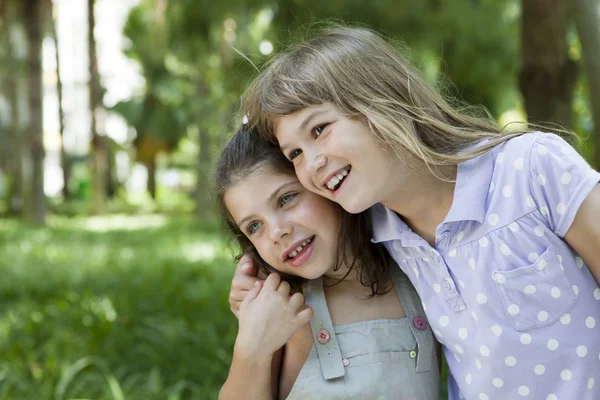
(319,129)
(294,153)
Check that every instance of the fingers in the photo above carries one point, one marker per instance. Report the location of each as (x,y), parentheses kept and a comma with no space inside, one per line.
(305,315)
(296,301)
(272,282)
(240,284)
(234,305)
(252,294)
(284,289)
(246,267)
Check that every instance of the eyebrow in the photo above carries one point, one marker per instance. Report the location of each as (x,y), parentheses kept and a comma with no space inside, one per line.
(270,199)
(304,124)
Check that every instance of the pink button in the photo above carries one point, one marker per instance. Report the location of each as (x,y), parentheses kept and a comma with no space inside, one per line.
(323,336)
(345,362)
(420,323)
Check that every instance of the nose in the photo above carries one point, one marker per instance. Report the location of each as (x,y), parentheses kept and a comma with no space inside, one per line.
(279,230)
(316,162)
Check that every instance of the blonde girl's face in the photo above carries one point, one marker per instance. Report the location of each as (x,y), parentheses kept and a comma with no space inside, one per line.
(295,231)
(337,157)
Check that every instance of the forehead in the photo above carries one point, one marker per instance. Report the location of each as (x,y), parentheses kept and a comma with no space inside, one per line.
(251,194)
(286,126)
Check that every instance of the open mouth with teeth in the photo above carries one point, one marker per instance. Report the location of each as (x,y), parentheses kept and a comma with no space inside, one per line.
(300,248)
(336,181)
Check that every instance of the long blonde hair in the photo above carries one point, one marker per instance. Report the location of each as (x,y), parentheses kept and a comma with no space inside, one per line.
(365,77)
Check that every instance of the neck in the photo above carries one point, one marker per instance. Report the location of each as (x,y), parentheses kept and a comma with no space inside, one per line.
(342,273)
(423,200)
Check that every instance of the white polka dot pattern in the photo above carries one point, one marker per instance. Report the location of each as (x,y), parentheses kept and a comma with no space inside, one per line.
(509,297)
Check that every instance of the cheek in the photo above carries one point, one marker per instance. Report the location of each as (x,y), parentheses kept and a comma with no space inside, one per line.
(326,215)
(265,250)
(304,177)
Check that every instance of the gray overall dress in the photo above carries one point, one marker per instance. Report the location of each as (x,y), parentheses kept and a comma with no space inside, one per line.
(380,359)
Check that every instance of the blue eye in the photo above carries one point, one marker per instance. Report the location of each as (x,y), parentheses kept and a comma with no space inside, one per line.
(253,227)
(287,198)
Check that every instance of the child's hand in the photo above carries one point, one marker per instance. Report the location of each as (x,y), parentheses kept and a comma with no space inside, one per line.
(244,279)
(269,317)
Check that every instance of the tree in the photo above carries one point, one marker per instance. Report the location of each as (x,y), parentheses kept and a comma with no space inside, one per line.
(548,75)
(586,14)
(14,149)
(159,114)
(98,147)
(33,18)
(64,162)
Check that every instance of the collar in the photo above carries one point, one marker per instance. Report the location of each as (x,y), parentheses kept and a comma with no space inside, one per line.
(472,187)
(470,194)
(388,226)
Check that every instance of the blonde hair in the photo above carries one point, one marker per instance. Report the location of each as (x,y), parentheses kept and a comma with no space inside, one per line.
(365,77)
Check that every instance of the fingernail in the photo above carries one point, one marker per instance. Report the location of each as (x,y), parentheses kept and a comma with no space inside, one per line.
(257,283)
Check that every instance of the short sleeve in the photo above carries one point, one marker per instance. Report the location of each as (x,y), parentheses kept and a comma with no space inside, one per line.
(560,180)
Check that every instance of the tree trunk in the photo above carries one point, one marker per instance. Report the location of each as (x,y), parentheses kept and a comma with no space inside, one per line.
(151,167)
(15,147)
(35,132)
(111,180)
(64,161)
(586,14)
(98,148)
(548,76)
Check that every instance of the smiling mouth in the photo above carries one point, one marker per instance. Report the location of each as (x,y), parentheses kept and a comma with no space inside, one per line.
(291,255)
(335,181)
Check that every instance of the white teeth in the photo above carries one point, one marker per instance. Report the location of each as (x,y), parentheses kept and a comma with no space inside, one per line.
(336,179)
(299,248)
(332,182)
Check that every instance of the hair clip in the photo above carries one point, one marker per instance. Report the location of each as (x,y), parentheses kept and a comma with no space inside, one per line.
(245,120)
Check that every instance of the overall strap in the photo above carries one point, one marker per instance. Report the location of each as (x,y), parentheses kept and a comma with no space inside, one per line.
(324,338)
(411,303)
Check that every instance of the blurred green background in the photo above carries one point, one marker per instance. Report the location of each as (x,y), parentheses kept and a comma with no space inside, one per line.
(115,269)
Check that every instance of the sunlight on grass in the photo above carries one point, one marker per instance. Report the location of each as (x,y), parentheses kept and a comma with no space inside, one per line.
(199,252)
(123,222)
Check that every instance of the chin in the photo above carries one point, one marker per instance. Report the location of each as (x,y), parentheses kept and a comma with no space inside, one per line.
(355,206)
(311,275)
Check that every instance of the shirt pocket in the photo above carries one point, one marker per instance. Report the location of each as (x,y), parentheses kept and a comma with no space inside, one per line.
(536,295)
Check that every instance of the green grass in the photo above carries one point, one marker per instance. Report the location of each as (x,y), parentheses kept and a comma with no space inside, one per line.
(119,307)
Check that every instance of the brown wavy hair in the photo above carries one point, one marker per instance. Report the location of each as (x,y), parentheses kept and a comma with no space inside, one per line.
(245,153)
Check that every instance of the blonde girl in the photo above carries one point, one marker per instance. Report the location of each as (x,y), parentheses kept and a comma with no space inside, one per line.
(498,231)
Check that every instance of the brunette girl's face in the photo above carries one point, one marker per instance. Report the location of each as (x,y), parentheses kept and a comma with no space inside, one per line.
(338,157)
(295,231)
